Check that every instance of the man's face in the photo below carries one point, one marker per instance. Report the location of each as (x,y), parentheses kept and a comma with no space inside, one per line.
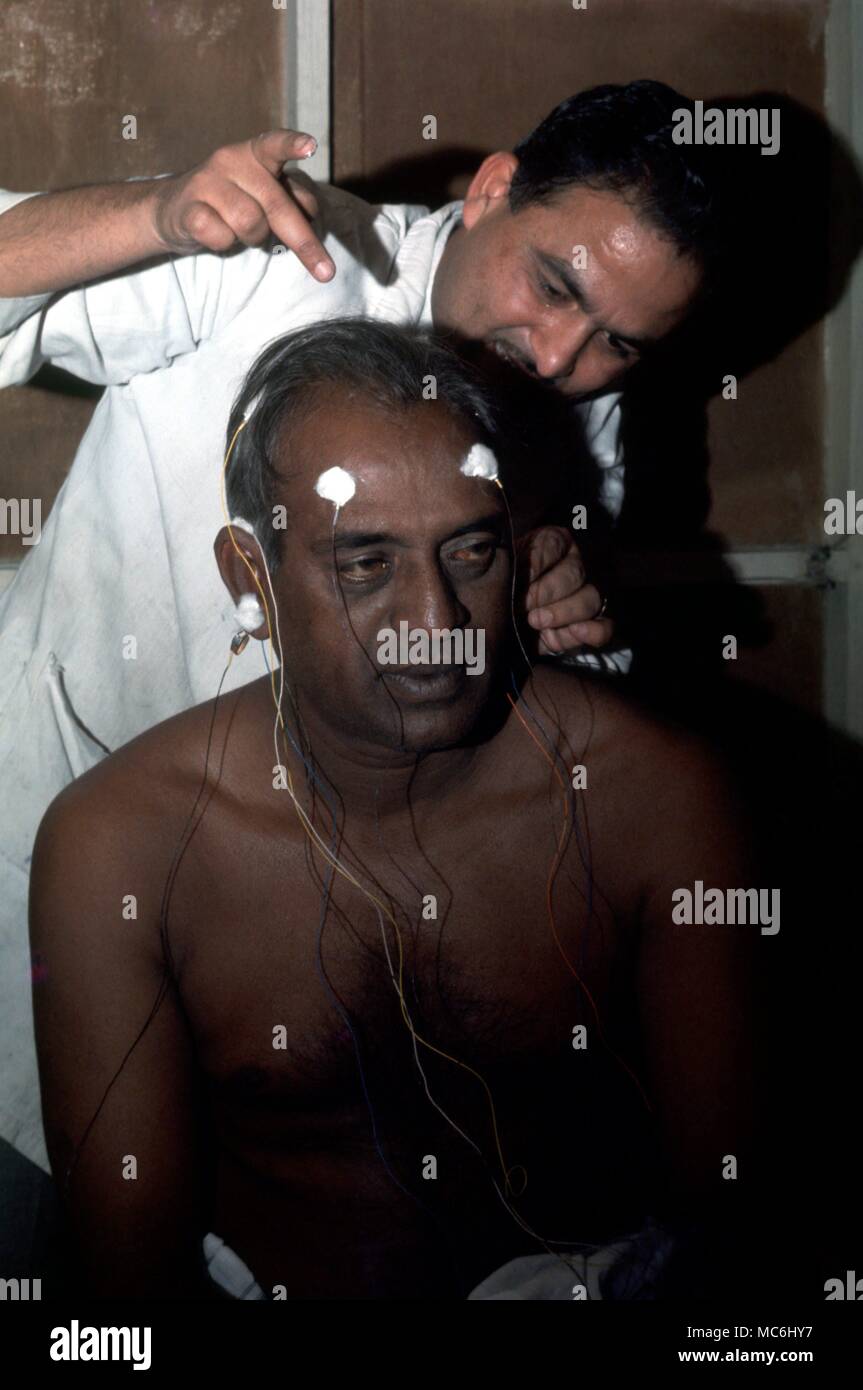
(573,291)
(418,543)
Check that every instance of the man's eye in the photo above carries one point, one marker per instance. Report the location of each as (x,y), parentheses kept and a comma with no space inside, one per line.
(364,569)
(618,348)
(551,292)
(476,553)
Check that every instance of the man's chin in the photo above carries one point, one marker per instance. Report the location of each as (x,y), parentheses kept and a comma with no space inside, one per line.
(432,722)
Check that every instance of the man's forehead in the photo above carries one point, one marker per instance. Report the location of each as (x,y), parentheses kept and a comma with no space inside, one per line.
(619,265)
(598,211)
(341,428)
(399,470)
(378,445)
(429,510)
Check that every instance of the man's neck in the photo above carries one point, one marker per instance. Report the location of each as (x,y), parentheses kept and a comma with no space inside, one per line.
(372,780)
(440,278)
(389,784)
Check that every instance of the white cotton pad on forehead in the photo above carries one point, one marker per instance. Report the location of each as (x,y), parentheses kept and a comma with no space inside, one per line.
(480,462)
(336,485)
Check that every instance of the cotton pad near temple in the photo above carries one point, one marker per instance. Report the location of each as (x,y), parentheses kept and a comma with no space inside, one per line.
(336,485)
(480,463)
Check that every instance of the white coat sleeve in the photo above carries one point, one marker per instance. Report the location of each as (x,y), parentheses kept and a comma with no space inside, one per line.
(127,323)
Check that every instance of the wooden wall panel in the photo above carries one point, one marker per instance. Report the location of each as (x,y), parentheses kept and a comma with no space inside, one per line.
(491,69)
(195,73)
(789,664)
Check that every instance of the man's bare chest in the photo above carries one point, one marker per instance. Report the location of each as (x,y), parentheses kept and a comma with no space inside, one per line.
(480,958)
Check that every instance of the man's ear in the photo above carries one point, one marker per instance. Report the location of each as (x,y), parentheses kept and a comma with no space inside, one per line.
(488,186)
(241,562)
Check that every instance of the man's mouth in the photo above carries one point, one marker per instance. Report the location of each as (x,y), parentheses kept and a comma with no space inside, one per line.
(512,359)
(525,367)
(425,683)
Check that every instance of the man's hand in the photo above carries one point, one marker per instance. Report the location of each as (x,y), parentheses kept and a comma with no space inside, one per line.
(560,605)
(236,196)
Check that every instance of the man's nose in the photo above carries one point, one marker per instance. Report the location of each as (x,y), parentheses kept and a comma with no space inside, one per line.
(428,600)
(555,349)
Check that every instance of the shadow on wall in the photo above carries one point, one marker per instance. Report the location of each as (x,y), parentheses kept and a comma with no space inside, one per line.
(792,228)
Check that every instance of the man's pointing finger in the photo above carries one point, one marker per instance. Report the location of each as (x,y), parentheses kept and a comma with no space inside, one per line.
(282,207)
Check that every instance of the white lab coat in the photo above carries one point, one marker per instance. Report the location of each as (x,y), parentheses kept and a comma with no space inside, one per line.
(127,549)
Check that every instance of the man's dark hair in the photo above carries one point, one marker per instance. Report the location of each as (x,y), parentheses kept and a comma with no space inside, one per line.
(619,139)
(395,366)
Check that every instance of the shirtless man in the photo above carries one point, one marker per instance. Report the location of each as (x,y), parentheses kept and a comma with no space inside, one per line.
(282,1094)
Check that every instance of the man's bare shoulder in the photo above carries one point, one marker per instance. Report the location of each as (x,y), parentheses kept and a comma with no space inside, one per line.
(659,797)
(632,745)
(128,806)
(593,710)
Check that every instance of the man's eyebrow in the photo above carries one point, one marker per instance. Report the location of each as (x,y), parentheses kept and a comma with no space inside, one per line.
(574,286)
(493,522)
(355,540)
(358,540)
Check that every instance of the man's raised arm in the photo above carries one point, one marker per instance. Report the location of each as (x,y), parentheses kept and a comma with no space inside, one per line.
(51,241)
(135,1206)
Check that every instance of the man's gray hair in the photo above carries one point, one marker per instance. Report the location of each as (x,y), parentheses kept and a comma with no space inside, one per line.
(392,365)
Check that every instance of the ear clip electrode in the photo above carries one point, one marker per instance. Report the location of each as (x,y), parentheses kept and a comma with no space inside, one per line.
(248,613)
